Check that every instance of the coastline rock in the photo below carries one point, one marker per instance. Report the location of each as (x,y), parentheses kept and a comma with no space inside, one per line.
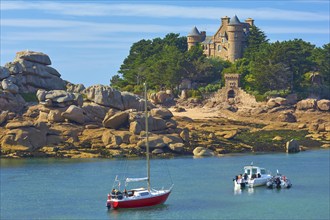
(105,95)
(11,102)
(75,88)
(4,72)
(3,117)
(25,138)
(176,147)
(287,117)
(9,86)
(59,98)
(292,146)
(161,113)
(131,101)
(306,104)
(116,121)
(75,114)
(323,105)
(95,112)
(33,56)
(202,151)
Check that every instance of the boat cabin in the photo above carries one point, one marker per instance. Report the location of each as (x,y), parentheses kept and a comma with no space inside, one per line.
(254,171)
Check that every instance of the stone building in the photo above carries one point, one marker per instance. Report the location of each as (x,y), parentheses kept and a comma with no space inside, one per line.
(231,93)
(228,42)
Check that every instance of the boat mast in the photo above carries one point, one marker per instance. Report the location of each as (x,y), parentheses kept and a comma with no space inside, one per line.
(147,134)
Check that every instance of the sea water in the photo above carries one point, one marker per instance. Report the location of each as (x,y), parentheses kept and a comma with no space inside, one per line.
(203,188)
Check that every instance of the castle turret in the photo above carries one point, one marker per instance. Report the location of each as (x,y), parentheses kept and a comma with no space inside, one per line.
(235,39)
(194,37)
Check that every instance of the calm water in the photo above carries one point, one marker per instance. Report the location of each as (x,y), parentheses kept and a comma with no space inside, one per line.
(77,189)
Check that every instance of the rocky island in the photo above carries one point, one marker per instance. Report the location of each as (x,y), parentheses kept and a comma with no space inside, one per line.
(42,115)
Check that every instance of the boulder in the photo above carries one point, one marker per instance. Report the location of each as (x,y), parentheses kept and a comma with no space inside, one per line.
(323,105)
(154,142)
(202,151)
(55,116)
(281,101)
(9,86)
(26,138)
(160,97)
(292,146)
(271,103)
(306,104)
(110,138)
(75,88)
(105,95)
(154,124)
(163,113)
(131,101)
(3,117)
(135,127)
(33,56)
(157,151)
(95,112)
(116,121)
(177,147)
(74,113)
(19,124)
(185,135)
(287,117)
(4,73)
(59,98)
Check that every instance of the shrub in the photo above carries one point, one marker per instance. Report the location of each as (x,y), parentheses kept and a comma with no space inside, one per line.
(29,97)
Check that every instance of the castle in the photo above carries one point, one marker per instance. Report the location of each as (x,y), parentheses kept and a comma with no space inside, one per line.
(228,42)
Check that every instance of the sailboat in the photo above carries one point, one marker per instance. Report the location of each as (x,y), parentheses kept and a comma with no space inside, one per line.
(138,197)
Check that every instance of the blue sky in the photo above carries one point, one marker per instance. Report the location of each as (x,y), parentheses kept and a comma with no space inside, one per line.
(87,41)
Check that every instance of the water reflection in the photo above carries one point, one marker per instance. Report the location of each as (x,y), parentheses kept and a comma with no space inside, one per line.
(138,213)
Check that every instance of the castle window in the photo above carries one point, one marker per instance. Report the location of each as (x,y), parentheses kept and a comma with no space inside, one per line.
(219,47)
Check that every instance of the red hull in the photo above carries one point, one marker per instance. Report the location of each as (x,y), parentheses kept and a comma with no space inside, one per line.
(138,203)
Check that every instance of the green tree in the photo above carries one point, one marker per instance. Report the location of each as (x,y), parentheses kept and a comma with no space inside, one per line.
(256,39)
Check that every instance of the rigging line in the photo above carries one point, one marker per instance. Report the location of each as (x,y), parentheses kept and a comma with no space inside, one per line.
(168,171)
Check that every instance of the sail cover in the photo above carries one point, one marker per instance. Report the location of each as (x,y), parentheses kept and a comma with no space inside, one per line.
(136,179)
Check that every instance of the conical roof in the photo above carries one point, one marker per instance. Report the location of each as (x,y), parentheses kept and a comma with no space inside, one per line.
(194,32)
(234,21)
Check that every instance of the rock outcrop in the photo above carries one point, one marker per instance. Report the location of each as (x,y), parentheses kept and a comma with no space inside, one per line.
(29,72)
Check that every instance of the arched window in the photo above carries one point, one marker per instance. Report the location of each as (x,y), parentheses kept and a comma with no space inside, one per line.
(219,47)
(231,94)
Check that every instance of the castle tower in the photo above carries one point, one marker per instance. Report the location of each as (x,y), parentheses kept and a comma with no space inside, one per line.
(235,39)
(194,37)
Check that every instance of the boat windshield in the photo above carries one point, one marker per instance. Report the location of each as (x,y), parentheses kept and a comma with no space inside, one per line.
(262,171)
(254,170)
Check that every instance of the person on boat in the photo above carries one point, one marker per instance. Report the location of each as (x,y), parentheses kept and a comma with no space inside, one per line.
(239,179)
(125,193)
(245,176)
(259,175)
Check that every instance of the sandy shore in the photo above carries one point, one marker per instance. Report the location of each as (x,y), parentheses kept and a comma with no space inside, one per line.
(197,113)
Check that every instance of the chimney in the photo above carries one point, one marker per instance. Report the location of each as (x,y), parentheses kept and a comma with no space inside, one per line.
(225,20)
(250,21)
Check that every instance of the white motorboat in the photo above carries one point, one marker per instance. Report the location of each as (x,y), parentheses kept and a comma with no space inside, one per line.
(253,176)
(279,181)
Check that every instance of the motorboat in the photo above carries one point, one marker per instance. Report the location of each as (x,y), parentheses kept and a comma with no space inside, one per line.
(253,176)
(137,197)
(279,181)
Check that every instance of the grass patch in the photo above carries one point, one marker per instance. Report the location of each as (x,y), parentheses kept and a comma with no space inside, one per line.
(29,97)
(263,140)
